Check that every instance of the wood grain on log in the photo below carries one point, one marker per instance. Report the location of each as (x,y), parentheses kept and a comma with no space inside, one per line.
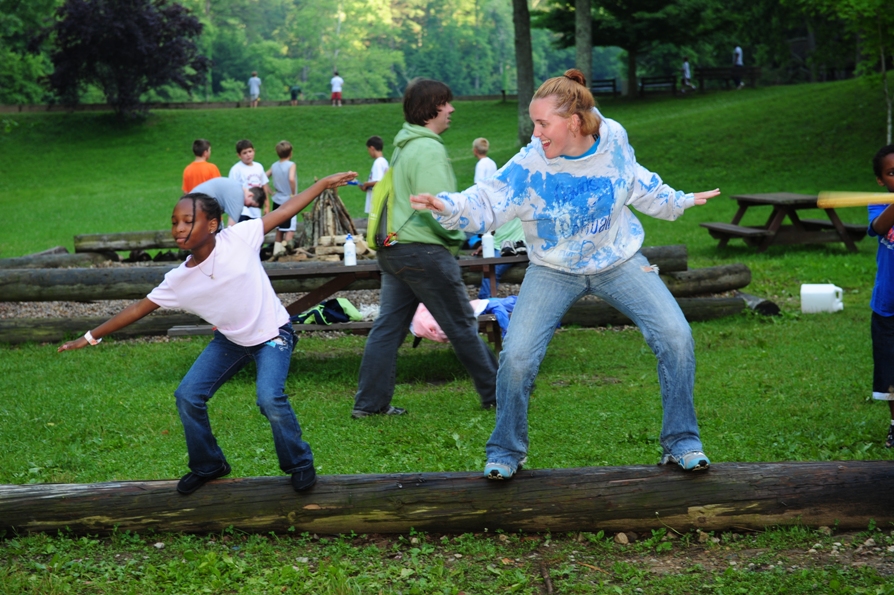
(846,494)
(117,283)
(57,261)
(585,313)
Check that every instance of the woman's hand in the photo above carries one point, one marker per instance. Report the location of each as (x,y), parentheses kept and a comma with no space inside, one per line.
(421,202)
(339,179)
(702,197)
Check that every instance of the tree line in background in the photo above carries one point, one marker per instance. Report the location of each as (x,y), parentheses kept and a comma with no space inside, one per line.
(63,50)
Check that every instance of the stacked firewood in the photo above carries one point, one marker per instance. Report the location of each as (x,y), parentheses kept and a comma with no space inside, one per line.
(328,217)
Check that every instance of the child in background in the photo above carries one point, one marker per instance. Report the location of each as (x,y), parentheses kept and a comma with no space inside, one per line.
(250,173)
(232,196)
(226,285)
(285,184)
(881,221)
(485,168)
(374,146)
(687,76)
(199,170)
(509,239)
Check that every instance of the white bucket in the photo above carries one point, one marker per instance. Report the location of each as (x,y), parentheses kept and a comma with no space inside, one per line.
(821,297)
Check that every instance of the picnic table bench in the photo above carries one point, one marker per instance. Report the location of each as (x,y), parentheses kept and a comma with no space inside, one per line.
(604,87)
(726,75)
(341,278)
(800,231)
(651,83)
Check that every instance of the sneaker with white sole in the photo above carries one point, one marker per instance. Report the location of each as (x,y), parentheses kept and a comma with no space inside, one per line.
(694,460)
(507,249)
(521,247)
(500,470)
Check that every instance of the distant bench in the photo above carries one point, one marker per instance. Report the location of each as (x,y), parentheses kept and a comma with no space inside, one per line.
(604,87)
(725,74)
(652,83)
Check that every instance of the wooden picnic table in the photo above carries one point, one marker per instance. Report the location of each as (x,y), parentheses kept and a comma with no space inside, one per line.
(785,205)
(342,277)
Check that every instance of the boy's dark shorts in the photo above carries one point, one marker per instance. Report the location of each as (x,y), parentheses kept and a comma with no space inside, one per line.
(285,225)
(883,357)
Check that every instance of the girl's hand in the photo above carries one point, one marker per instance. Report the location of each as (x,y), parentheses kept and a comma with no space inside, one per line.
(78,343)
(421,202)
(340,179)
(702,197)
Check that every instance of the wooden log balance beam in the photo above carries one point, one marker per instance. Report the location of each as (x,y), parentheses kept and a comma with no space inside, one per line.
(751,496)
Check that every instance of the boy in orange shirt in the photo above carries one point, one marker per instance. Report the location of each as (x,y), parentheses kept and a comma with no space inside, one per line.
(199,170)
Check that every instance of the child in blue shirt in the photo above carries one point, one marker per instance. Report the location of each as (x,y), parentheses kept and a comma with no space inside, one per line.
(881,221)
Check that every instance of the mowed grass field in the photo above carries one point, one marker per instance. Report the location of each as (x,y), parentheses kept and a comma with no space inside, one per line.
(789,388)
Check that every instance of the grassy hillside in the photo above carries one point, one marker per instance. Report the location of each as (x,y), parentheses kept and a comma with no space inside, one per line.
(85,173)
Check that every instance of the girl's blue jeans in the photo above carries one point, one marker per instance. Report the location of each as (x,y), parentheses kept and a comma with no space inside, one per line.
(219,362)
(635,289)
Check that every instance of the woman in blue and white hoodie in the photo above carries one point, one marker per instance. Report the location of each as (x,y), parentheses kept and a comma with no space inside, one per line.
(572,187)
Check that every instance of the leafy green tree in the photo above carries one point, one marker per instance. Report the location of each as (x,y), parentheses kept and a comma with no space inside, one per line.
(873,22)
(634,25)
(21,69)
(125,47)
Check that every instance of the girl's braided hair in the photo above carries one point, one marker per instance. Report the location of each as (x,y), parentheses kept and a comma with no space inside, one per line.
(209,206)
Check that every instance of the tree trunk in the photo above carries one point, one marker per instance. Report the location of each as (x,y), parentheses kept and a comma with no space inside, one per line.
(846,494)
(524,66)
(123,283)
(632,90)
(583,39)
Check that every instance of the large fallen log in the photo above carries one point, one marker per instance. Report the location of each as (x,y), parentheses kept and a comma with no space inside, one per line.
(595,312)
(585,313)
(131,240)
(846,494)
(57,260)
(53,330)
(123,283)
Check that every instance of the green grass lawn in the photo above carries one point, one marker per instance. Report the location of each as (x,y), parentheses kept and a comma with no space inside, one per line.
(794,387)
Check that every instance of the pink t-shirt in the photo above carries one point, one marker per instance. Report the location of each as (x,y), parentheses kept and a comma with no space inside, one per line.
(229,289)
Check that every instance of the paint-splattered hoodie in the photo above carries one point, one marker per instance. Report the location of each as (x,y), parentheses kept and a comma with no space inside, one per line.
(575,211)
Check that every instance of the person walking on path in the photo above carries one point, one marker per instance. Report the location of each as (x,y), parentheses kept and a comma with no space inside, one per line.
(738,67)
(254,89)
(224,282)
(418,260)
(336,83)
(572,187)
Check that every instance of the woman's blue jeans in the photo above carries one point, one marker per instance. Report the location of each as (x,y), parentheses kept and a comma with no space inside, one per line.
(219,362)
(635,289)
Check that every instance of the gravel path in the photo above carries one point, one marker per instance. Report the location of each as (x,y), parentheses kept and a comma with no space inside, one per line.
(109,308)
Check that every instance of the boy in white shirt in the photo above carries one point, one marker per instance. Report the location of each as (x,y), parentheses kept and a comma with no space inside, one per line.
(250,173)
(485,168)
(374,147)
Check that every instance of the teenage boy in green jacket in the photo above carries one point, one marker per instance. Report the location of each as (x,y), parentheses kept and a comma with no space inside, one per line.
(419,264)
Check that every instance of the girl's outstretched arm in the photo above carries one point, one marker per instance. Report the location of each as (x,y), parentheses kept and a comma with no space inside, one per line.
(291,207)
(127,316)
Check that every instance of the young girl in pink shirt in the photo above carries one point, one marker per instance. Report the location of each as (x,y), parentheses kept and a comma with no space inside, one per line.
(224,283)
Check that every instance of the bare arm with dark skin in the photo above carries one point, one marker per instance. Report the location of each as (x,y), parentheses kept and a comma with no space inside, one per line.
(884,222)
(125,317)
(294,205)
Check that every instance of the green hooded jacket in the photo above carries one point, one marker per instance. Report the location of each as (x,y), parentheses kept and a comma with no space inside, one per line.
(420,164)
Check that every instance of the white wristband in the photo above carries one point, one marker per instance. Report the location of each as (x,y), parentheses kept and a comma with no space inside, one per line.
(89,337)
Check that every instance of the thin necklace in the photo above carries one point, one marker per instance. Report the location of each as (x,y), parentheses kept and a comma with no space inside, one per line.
(199,266)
